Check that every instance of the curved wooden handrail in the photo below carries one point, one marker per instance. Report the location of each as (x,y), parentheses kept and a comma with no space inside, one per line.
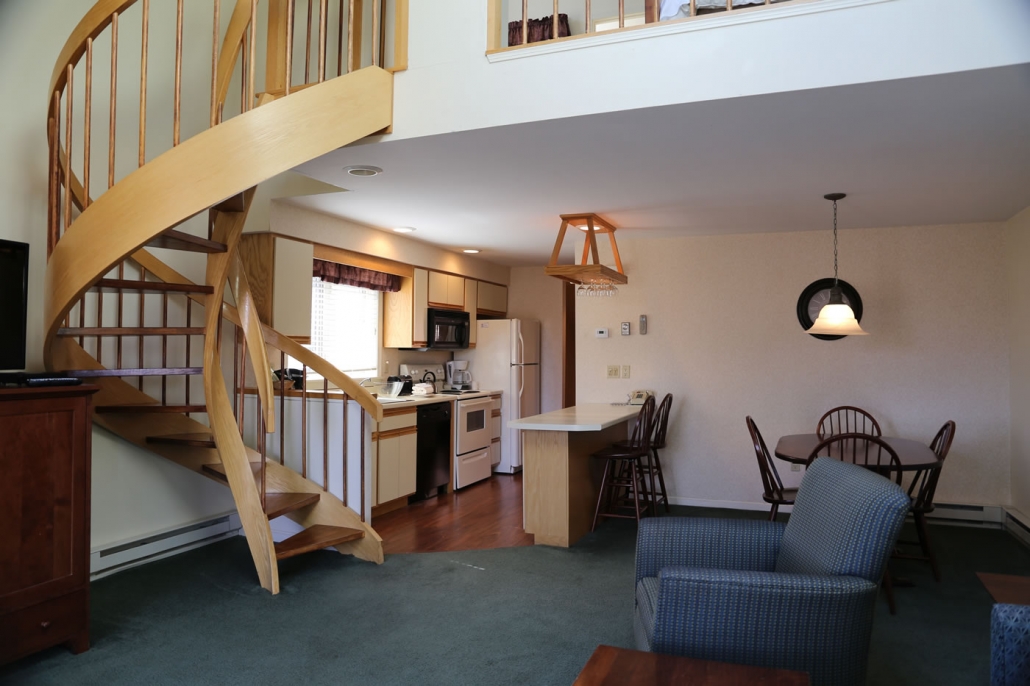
(274,338)
(250,322)
(213,165)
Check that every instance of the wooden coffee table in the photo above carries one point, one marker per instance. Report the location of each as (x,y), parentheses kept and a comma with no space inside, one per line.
(610,666)
(1007,588)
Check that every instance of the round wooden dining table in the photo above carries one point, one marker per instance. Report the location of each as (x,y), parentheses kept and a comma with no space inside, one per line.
(912,455)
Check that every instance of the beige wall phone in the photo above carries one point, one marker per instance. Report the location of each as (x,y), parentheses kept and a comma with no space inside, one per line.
(640,397)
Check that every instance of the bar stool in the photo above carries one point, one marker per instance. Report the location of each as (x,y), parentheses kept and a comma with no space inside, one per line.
(651,463)
(624,484)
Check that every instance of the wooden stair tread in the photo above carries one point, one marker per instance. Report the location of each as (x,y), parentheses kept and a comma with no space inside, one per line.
(147,371)
(195,440)
(151,286)
(132,331)
(234,203)
(315,538)
(155,408)
(218,469)
(278,504)
(173,239)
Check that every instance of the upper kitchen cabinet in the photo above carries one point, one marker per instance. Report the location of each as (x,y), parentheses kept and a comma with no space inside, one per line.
(404,312)
(446,290)
(492,300)
(471,306)
(279,271)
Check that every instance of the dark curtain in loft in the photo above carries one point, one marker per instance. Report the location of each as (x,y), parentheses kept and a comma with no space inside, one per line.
(538,29)
(356,276)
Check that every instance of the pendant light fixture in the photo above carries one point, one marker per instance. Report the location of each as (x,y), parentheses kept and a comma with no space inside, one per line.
(836,318)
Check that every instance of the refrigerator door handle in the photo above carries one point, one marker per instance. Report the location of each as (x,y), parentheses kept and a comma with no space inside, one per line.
(521,350)
(522,385)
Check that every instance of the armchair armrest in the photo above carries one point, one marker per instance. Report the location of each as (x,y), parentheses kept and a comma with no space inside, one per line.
(819,624)
(742,544)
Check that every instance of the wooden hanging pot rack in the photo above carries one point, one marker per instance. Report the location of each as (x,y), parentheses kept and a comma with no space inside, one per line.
(586,272)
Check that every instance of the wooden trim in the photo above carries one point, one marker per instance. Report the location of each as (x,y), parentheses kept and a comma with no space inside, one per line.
(494,24)
(446,306)
(491,312)
(391,506)
(400,36)
(356,259)
(576,272)
(395,411)
(495,440)
(495,413)
(394,433)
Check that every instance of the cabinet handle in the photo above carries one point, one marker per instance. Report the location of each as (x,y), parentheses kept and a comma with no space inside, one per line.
(44,625)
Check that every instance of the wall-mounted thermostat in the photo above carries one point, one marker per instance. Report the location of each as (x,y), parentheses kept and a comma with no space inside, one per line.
(600,333)
(643,324)
(625,328)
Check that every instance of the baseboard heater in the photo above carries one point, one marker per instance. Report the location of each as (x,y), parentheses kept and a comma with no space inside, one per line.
(123,555)
(1018,526)
(972,514)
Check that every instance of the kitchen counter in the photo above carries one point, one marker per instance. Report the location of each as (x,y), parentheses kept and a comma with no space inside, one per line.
(559,490)
(414,400)
(593,417)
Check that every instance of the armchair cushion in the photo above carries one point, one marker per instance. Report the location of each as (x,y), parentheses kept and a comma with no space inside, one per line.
(713,543)
(1010,645)
(845,521)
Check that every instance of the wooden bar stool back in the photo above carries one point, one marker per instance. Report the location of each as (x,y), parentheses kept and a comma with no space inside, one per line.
(921,491)
(847,420)
(623,484)
(774,492)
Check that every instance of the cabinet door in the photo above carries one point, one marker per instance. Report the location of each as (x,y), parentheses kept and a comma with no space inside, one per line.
(291,290)
(493,298)
(438,283)
(456,291)
(420,303)
(407,448)
(389,464)
(471,298)
(399,316)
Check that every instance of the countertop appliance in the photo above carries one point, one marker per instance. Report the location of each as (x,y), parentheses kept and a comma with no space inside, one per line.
(433,455)
(458,375)
(431,373)
(447,329)
(472,440)
(507,357)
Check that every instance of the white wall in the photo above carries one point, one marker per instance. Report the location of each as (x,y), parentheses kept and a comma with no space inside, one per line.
(1017,252)
(724,339)
(451,86)
(534,295)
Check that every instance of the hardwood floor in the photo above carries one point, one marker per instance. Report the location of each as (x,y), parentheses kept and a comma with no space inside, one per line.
(485,515)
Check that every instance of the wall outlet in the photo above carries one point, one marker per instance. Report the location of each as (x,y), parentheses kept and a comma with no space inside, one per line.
(625,371)
(795,468)
(613,371)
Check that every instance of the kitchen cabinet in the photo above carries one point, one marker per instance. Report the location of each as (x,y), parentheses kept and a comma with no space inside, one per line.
(404,312)
(493,299)
(279,272)
(446,290)
(395,447)
(471,300)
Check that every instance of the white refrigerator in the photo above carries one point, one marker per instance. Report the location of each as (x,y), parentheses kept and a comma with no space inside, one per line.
(507,358)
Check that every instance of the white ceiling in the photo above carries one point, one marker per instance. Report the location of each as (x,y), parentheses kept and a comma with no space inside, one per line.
(936,150)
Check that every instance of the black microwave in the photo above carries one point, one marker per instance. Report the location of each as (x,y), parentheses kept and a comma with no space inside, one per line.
(448,329)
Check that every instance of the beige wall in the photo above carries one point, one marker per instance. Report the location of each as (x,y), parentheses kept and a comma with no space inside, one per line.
(534,295)
(1017,251)
(723,337)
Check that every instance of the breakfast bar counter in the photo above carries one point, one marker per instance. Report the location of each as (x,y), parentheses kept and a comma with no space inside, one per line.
(559,494)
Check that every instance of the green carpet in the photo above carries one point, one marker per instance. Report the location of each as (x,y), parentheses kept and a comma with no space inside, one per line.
(508,616)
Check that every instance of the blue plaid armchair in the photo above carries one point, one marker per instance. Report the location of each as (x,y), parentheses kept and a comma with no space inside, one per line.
(1010,645)
(793,596)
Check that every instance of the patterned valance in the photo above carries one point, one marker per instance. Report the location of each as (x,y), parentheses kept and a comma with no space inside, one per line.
(538,29)
(356,276)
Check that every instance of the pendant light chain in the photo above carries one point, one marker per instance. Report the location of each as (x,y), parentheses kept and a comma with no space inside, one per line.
(834,242)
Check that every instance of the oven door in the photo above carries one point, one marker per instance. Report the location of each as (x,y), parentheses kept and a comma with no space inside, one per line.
(472,425)
(448,330)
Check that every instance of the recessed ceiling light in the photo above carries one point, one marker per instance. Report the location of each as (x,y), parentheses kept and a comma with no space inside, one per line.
(404,229)
(471,251)
(363,170)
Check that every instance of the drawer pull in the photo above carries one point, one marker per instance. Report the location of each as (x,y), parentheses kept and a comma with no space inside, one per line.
(44,625)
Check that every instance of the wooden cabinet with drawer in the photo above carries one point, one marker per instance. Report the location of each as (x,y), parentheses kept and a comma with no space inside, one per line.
(395,446)
(44,538)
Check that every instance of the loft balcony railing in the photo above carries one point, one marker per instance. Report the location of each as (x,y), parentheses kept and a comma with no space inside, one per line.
(512,24)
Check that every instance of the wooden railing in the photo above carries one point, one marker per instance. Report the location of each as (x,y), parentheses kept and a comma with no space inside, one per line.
(582,20)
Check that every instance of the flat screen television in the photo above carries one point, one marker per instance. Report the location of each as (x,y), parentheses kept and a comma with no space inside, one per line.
(14,303)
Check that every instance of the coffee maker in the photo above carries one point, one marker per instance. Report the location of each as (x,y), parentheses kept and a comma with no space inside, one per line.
(458,376)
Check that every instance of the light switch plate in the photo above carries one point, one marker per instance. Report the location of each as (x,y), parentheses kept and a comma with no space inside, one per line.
(625,328)
(613,371)
(600,333)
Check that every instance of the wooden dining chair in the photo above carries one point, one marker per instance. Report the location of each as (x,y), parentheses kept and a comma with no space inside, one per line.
(846,420)
(775,494)
(623,484)
(921,492)
(873,453)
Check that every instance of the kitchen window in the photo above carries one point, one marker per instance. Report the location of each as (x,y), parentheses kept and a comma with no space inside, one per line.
(345,327)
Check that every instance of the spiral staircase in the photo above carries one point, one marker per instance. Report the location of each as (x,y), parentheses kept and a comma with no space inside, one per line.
(124,319)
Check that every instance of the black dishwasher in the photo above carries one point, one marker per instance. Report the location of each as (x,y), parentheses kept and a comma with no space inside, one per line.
(433,461)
